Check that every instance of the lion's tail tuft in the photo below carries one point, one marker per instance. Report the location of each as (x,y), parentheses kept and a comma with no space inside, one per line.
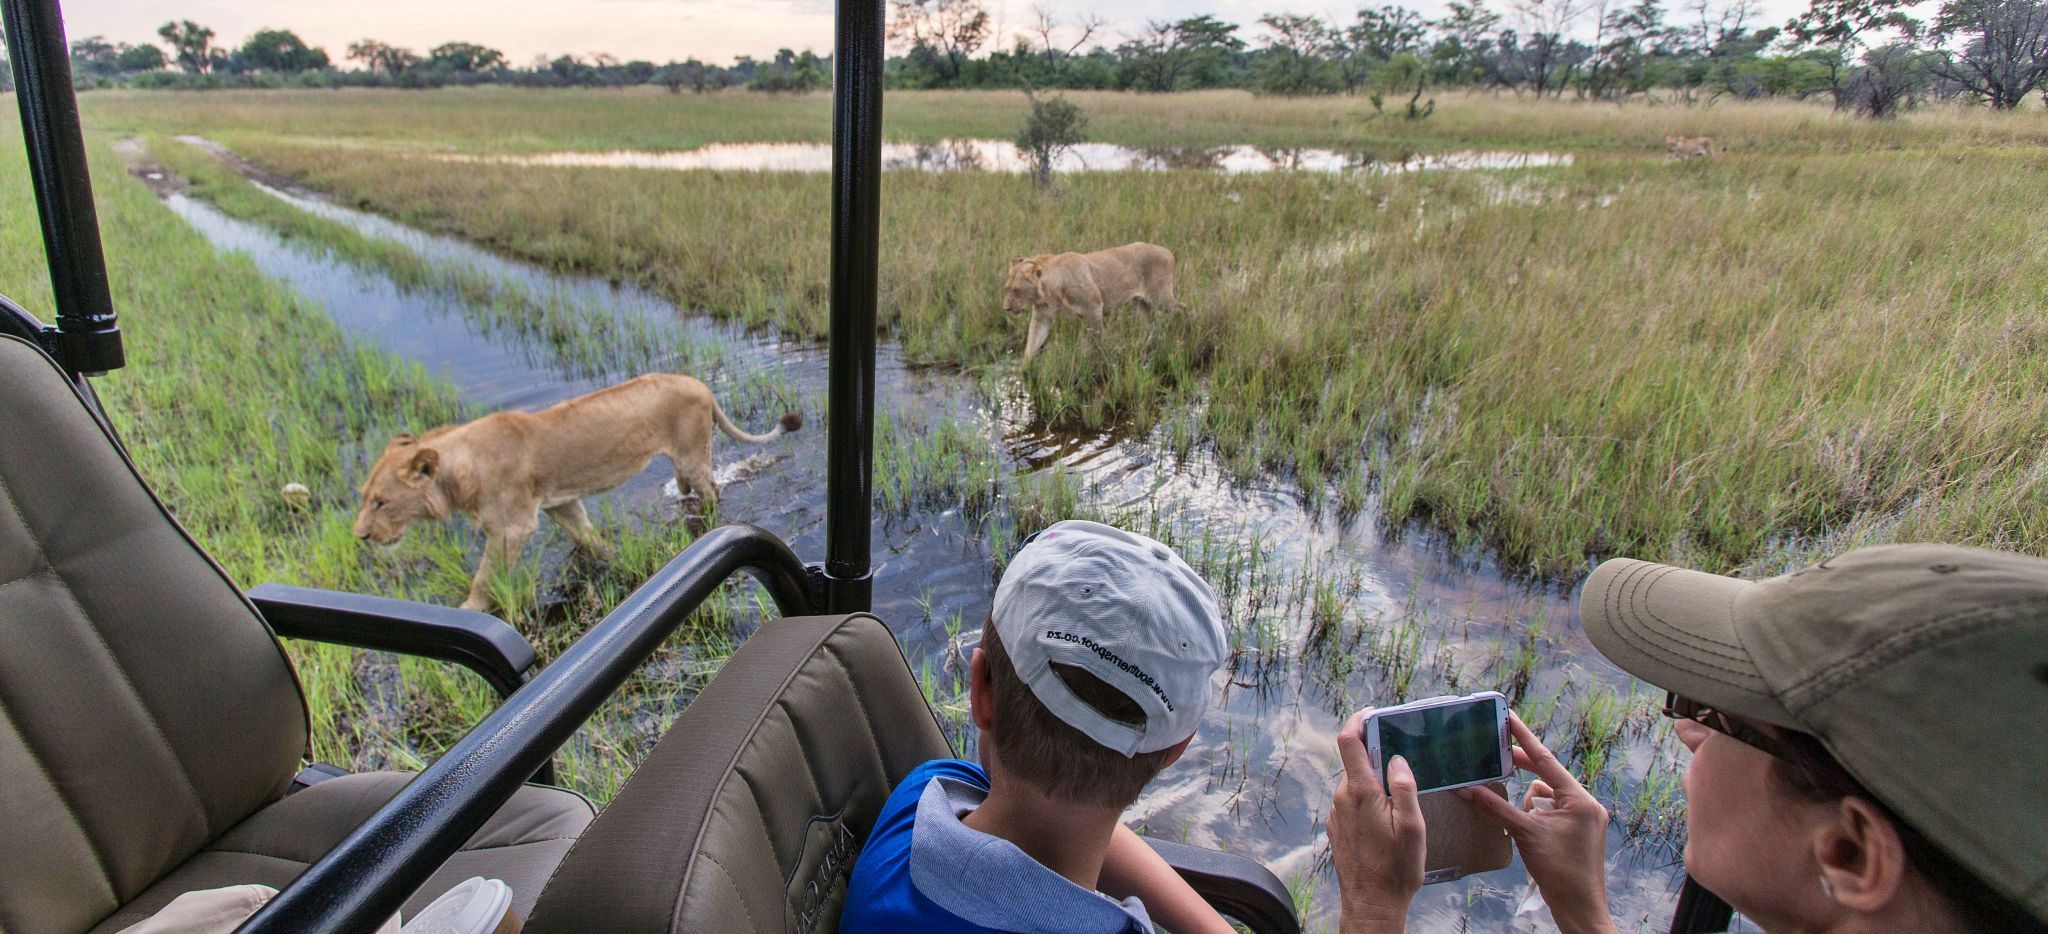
(788,423)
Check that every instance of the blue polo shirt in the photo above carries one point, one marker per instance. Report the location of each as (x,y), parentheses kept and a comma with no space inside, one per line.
(924,870)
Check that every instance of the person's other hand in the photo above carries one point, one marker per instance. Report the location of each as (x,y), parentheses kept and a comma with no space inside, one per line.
(1376,840)
(1561,831)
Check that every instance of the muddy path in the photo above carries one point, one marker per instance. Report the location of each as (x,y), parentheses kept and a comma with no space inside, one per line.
(1328,612)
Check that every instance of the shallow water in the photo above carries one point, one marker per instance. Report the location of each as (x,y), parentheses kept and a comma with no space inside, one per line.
(1413,620)
(993,155)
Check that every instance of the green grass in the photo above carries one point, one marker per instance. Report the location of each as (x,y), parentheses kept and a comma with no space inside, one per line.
(924,465)
(1831,334)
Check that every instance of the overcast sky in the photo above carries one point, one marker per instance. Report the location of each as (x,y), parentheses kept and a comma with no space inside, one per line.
(657,30)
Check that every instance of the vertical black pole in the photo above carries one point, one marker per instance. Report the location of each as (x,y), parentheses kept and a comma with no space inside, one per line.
(87,338)
(856,228)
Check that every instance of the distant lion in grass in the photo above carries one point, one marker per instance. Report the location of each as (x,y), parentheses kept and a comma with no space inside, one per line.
(503,469)
(1086,284)
(1689,148)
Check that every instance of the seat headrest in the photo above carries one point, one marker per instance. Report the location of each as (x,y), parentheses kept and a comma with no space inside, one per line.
(750,812)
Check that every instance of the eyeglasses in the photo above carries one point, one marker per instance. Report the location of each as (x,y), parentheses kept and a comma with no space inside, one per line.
(1685,708)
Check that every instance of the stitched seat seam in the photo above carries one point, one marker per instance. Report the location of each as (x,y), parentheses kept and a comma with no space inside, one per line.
(32,575)
(507,846)
(148,715)
(98,854)
(860,699)
(732,883)
(281,859)
(99,859)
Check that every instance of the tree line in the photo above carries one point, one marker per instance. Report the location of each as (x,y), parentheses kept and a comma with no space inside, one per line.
(188,57)
(1870,56)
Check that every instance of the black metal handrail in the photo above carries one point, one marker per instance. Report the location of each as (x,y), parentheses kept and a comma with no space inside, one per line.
(87,339)
(367,878)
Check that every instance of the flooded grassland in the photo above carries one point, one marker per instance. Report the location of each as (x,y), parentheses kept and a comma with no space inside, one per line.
(1507,355)
(1620,355)
(1327,612)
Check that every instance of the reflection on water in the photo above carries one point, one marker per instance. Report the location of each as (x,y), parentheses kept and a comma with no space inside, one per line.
(992,155)
(1404,619)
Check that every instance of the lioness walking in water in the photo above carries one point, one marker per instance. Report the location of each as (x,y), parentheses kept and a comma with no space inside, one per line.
(1085,284)
(501,470)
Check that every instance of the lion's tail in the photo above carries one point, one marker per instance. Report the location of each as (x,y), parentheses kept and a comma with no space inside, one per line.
(789,422)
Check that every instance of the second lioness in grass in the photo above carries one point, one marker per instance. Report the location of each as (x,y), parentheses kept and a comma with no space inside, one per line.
(503,469)
(1688,148)
(1085,284)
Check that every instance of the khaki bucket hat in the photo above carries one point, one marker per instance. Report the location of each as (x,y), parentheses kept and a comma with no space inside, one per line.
(1922,668)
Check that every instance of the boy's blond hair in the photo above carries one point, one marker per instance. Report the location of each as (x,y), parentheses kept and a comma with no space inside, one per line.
(1041,750)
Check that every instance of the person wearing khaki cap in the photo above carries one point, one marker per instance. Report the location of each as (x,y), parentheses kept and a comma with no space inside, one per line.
(1869,748)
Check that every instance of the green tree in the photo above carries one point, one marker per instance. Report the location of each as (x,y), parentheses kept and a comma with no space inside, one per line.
(378,56)
(95,56)
(791,72)
(948,31)
(1196,52)
(1154,59)
(139,58)
(1996,49)
(1889,76)
(464,57)
(1292,60)
(693,74)
(1634,40)
(1463,50)
(1404,74)
(1054,126)
(1213,50)
(191,45)
(1841,27)
(1373,39)
(281,51)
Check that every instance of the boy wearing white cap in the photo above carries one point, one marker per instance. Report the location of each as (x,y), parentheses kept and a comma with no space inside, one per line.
(1095,667)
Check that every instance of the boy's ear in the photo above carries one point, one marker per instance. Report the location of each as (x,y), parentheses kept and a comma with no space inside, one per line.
(981,694)
(1173,752)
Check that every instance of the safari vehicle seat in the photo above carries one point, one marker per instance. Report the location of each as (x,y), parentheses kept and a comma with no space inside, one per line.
(751,810)
(150,723)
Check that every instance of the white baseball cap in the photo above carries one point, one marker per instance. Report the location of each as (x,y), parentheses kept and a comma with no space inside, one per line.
(1123,608)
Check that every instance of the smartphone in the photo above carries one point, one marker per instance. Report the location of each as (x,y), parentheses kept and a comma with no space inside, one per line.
(1448,742)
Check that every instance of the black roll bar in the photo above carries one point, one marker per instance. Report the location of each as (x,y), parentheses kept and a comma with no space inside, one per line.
(368,877)
(87,339)
(856,233)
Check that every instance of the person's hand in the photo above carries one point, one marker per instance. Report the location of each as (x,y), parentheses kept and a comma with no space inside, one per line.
(1376,840)
(1561,831)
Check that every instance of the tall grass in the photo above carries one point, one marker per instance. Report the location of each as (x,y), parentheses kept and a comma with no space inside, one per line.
(509,120)
(1832,332)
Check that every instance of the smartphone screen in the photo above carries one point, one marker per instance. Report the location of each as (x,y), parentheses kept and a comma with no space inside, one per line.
(1455,744)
